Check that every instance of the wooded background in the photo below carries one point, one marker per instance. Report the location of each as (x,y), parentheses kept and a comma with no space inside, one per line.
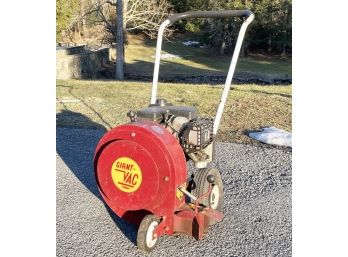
(94,22)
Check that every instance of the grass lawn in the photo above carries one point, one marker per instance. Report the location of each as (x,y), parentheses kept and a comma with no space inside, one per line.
(196,61)
(93,104)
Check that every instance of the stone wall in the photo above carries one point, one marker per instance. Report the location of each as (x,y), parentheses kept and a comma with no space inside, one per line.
(79,62)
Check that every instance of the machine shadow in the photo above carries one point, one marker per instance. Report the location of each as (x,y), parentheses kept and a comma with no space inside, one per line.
(76,146)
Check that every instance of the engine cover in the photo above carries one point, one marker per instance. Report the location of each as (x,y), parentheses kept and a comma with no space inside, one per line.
(138,167)
(155,113)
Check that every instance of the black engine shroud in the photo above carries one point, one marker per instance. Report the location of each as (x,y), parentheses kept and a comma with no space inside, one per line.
(194,135)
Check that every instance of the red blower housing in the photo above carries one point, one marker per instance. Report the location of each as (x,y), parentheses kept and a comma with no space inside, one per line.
(138,168)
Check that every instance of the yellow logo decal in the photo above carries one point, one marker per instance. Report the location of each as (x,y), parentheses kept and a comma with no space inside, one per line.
(126,174)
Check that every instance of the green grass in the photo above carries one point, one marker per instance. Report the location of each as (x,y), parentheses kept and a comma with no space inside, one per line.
(196,61)
(105,104)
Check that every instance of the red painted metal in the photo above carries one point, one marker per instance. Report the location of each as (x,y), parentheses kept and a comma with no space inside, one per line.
(149,165)
(159,157)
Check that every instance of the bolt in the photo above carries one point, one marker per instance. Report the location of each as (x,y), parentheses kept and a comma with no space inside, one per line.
(133,134)
(155,235)
(166,179)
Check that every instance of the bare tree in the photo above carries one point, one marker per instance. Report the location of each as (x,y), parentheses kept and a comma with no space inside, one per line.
(131,15)
(146,15)
(118,16)
(119,41)
(138,15)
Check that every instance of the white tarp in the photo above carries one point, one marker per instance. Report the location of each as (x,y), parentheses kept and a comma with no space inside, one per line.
(190,43)
(167,56)
(273,136)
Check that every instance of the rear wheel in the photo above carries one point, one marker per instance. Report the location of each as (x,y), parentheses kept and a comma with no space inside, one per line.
(201,186)
(145,240)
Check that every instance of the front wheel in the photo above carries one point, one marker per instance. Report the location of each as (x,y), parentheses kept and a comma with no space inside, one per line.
(201,186)
(145,240)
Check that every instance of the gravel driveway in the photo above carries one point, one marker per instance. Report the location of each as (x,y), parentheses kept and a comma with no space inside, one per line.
(257,207)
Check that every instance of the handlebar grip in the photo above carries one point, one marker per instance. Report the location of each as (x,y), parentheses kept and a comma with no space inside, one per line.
(209,14)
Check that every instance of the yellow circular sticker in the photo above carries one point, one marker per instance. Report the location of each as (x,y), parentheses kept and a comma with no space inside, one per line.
(126,174)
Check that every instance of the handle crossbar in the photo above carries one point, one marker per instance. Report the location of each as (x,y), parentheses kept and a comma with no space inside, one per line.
(205,14)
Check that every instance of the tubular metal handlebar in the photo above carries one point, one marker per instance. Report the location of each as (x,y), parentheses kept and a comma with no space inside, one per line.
(209,14)
(205,14)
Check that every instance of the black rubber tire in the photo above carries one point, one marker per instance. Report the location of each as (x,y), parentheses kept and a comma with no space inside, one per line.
(142,231)
(201,186)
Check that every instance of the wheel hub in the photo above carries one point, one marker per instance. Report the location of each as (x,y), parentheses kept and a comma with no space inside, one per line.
(214,197)
(150,241)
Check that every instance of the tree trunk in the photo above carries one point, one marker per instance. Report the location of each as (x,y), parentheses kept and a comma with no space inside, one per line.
(283,54)
(83,21)
(269,49)
(119,41)
(223,47)
(224,35)
(243,50)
